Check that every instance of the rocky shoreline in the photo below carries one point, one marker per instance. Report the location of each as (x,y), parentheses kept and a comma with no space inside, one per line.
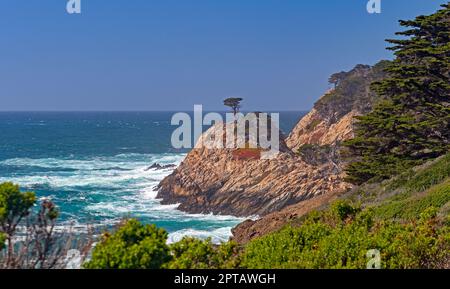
(244,187)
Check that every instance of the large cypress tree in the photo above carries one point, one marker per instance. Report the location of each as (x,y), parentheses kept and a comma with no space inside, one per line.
(411,122)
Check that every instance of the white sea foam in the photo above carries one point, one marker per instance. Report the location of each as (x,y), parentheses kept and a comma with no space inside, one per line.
(106,173)
(124,186)
(217,235)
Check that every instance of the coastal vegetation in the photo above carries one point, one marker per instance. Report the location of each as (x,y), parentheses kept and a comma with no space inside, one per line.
(406,220)
(133,245)
(411,122)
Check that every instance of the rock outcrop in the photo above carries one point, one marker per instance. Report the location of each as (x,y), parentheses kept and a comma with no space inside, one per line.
(234,182)
(332,118)
(305,175)
(157,166)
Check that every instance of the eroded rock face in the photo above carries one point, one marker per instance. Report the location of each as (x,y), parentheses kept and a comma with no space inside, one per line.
(215,181)
(316,128)
(241,182)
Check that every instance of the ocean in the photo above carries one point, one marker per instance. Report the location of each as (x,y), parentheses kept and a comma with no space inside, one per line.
(94,166)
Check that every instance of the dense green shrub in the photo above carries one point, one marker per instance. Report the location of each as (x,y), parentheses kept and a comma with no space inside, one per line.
(132,246)
(284,249)
(344,243)
(343,210)
(192,253)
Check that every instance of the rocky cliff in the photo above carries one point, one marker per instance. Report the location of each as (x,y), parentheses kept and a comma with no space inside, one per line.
(331,119)
(238,182)
(305,174)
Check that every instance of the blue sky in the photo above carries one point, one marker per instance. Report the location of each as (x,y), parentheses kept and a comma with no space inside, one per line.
(172,54)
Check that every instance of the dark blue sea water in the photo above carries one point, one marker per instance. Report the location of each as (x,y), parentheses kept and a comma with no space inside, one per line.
(93,165)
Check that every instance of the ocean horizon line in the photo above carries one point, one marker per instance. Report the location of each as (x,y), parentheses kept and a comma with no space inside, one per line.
(122,111)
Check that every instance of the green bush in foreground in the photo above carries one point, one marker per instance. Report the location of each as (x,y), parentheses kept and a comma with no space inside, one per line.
(138,246)
(132,246)
(192,253)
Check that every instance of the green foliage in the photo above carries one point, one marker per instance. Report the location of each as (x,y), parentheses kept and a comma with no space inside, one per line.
(137,246)
(284,249)
(234,103)
(14,206)
(311,126)
(37,245)
(342,242)
(412,122)
(352,91)
(337,78)
(132,246)
(342,210)
(409,208)
(339,237)
(410,182)
(424,178)
(228,255)
(192,253)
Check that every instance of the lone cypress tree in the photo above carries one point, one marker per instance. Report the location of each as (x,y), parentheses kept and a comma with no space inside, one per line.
(234,103)
(411,122)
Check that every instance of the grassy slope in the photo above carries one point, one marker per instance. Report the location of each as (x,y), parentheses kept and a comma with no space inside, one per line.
(406,196)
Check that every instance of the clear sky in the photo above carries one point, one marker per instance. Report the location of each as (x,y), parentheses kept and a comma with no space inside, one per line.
(172,54)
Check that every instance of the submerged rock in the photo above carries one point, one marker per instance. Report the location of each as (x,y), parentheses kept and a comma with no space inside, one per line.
(157,166)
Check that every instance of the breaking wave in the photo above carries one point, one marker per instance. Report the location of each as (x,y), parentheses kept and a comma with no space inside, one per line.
(100,191)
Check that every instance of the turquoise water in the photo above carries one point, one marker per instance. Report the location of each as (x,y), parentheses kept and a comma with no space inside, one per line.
(94,166)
